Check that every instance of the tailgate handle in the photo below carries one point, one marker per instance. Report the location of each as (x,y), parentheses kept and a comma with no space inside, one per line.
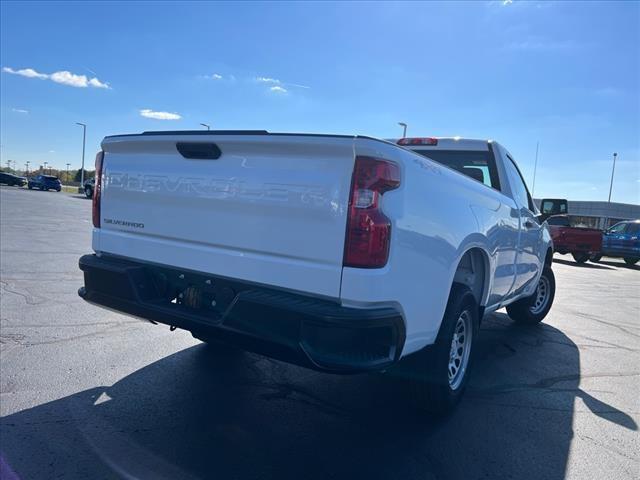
(200,151)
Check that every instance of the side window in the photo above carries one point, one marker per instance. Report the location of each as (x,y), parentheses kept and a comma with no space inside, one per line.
(633,228)
(618,228)
(520,192)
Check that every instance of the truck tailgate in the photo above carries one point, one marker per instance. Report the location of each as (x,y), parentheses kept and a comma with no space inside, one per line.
(271,209)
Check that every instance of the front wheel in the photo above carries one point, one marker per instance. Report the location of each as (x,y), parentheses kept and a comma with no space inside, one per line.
(580,257)
(631,260)
(532,309)
(88,192)
(439,373)
(596,257)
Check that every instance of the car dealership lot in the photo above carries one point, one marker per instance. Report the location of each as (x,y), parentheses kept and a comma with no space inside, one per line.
(88,393)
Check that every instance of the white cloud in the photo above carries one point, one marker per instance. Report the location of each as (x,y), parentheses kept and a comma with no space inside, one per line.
(63,77)
(148,113)
(278,89)
(539,44)
(19,110)
(216,76)
(276,82)
(268,80)
(298,85)
(94,82)
(52,151)
(25,72)
(608,92)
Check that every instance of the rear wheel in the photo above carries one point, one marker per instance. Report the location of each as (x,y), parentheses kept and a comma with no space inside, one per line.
(532,309)
(596,258)
(439,373)
(580,257)
(631,260)
(88,192)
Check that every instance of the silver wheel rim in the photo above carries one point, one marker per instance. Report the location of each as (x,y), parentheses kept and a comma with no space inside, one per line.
(460,350)
(541,296)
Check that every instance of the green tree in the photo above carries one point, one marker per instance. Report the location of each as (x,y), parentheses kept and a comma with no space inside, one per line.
(87,175)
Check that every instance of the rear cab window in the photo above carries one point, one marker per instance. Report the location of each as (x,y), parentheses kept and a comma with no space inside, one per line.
(477,164)
(553,207)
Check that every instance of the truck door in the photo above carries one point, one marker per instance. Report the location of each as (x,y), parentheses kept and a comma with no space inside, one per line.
(529,257)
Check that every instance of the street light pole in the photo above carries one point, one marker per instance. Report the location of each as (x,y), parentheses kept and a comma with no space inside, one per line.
(27,171)
(84,138)
(206,126)
(44,170)
(612,172)
(68,172)
(404,129)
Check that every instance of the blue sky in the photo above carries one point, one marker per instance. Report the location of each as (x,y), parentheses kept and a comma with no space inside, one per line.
(566,74)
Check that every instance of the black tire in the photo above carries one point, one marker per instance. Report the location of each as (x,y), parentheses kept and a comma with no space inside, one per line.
(596,258)
(428,370)
(525,311)
(29,187)
(88,192)
(580,257)
(631,260)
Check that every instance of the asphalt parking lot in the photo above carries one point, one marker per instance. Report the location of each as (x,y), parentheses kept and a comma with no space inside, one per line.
(87,393)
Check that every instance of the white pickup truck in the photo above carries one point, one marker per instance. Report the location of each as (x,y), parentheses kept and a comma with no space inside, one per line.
(339,253)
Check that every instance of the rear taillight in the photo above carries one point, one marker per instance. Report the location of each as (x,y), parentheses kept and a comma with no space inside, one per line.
(97,189)
(368,229)
(418,141)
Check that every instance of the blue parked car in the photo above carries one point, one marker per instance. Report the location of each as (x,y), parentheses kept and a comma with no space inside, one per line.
(622,240)
(45,182)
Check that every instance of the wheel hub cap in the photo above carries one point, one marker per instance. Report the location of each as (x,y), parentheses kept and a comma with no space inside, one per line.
(541,296)
(460,350)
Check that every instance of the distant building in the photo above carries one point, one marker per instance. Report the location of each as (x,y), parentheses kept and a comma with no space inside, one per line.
(600,215)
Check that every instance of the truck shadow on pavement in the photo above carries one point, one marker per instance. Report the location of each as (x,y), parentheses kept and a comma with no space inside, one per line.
(204,413)
(595,266)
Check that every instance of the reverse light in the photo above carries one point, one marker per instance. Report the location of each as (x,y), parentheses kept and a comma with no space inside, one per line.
(418,141)
(97,190)
(368,228)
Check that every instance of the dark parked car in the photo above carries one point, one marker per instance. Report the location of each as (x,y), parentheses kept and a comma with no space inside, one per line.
(622,240)
(89,187)
(12,180)
(45,182)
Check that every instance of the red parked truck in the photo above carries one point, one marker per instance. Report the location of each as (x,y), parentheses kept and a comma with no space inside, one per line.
(580,242)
